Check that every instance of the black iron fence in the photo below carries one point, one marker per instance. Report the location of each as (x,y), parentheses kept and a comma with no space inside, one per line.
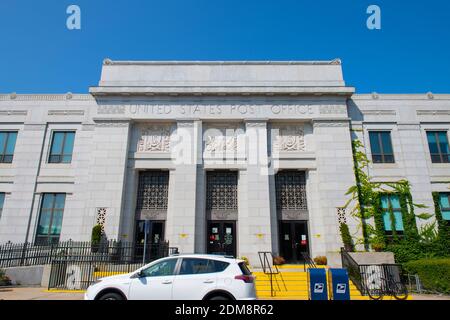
(28,254)
(78,272)
(381,278)
(373,278)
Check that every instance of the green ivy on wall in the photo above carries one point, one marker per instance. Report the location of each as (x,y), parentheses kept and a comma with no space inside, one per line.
(365,196)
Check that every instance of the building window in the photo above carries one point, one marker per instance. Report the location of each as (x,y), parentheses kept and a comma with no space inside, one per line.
(61,147)
(392,201)
(221,191)
(381,146)
(438,144)
(7,146)
(2,201)
(50,218)
(444,202)
(153,191)
(290,186)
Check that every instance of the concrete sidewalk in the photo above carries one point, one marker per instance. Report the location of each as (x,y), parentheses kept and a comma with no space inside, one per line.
(37,293)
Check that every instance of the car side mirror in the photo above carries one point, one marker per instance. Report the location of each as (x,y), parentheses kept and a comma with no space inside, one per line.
(139,274)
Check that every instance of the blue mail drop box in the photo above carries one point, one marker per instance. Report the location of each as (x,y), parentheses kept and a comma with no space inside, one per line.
(318,289)
(339,284)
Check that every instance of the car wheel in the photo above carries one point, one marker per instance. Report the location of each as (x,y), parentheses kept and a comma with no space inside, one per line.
(218,298)
(111,296)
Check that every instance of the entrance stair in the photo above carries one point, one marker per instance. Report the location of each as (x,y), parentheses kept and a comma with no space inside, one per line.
(291,283)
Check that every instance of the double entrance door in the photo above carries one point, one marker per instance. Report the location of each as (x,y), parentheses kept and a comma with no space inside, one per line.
(293,240)
(149,235)
(221,237)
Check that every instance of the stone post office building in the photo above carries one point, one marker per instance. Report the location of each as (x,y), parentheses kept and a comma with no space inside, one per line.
(233,157)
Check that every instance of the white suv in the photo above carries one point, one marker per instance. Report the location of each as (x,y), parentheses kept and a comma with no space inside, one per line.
(181,277)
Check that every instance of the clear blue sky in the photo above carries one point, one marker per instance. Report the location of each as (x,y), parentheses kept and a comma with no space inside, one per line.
(411,54)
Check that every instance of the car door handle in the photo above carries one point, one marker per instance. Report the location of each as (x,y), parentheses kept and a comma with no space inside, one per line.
(166,282)
(208,281)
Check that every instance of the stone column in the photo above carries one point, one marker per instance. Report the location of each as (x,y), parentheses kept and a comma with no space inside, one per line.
(334,177)
(181,211)
(254,224)
(107,175)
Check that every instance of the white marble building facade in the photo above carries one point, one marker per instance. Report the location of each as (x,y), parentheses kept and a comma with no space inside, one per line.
(277,134)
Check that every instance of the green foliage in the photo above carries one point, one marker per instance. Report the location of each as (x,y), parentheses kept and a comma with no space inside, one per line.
(346,237)
(366,199)
(428,233)
(97,233)
(434,273)
(443,228)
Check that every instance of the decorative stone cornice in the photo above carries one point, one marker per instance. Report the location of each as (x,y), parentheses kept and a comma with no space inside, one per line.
(13,112)
(433,112)
(66,112)
(46,97)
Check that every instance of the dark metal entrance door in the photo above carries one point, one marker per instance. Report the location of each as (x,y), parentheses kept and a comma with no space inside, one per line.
(155,237)
(293,240)
(222,237)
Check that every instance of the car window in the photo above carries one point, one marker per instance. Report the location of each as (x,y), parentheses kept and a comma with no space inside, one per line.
(244,269)
(163,268)
(199,266)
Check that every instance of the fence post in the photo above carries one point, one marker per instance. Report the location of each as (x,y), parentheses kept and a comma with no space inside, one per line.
(24,248)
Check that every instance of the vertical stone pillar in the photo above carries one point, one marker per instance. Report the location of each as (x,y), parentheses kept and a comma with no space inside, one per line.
(181,211)
(107,174)
(334,177)
(254,222)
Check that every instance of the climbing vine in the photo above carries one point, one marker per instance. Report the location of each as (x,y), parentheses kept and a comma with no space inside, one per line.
(365,203)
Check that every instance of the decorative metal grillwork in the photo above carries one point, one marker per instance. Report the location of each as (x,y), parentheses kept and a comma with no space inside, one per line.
(153,190)
(291,190)
(221,191)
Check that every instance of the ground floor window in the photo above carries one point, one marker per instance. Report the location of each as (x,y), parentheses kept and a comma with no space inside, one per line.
(392,202)
(444,202)
(50,218)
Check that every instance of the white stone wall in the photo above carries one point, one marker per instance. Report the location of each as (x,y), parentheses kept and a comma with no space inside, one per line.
(110,149)
(407,117)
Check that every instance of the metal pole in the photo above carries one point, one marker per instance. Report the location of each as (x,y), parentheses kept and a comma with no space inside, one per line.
(145,240)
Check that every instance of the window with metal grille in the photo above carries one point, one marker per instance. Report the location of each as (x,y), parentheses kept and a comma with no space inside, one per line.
(153,190)
(291,190)
(221,190)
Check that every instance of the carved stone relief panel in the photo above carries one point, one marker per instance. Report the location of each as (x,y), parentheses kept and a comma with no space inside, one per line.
(289,138)
(154,138)
(222,140)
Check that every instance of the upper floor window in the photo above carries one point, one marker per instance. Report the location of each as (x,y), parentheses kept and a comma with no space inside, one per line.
(2,201)
(444,202)
(438,144)
(50,218)
(388,202)
(61,147)
(7,146)
(381,146)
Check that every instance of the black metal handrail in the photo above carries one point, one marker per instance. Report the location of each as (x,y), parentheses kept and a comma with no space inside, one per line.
(267,267)
(353,269)
(307,261)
